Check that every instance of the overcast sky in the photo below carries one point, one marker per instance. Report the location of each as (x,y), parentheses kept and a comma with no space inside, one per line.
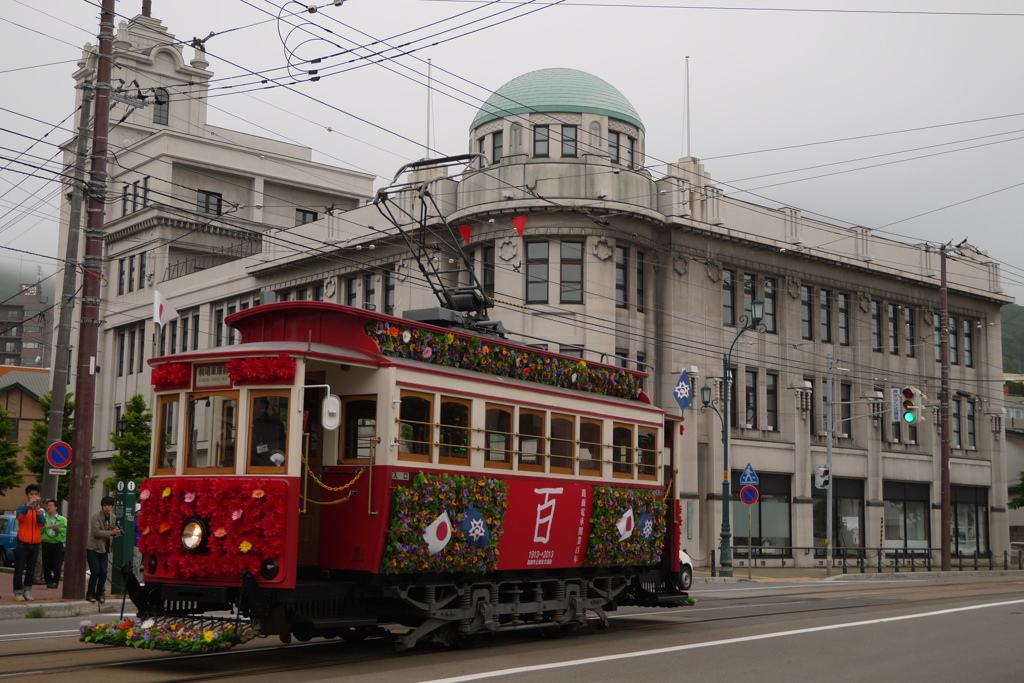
(904,116)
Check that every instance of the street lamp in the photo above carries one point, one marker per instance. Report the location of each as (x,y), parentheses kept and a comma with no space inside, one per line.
(747,323)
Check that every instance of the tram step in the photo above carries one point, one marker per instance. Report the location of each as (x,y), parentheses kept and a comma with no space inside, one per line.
(325,623)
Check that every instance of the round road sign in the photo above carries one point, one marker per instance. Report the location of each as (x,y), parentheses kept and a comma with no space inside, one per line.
(59,454)
(748,494)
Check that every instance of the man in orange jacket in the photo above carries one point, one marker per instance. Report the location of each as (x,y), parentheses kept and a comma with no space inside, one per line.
(30,523)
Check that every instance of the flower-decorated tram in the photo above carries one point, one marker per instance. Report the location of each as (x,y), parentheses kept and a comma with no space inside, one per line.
(340,471)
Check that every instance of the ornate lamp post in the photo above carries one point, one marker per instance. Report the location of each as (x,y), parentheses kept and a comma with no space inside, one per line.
(751,323)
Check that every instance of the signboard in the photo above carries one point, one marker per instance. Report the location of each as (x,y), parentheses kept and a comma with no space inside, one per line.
(749,477)
(212,377)
(546,525)
(58,454)
(749,494)
(57,472)
(896,402)
(123,545)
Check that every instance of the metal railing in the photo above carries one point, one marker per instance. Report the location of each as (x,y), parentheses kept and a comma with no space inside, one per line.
(864,560)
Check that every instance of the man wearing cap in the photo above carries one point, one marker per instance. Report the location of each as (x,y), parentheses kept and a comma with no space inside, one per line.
(55,532)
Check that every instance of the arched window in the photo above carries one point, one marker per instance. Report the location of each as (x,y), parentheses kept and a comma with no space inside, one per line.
(161,107)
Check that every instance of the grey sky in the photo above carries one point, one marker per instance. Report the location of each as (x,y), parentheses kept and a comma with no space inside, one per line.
(778,79)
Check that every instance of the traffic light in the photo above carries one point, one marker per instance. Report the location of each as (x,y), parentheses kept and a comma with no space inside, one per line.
(912,400)
(822,477)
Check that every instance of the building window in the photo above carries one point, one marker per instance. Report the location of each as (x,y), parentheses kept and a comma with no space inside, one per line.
(769,529)
(969,520)
(218,326)
(161,107)
(906,515)
(184,333)
(750,399)
(488,270)
(131,273)
(893,322)
(536,272)
(806,312)
(173,335)
(142,270)
(120,275)
(847,517)
(571,351)
(630,152)
(120,353)
(876,325)
(955,423)
(954,341)
(370,292)
(845,410)
(142,344)
(209,202)
(303,216)
(843,306)
(908,331)
(769,305)
(571,257)
(497,146)
(749,294)
(972,435)
(771,401)
(131,351)
(621,277)
(812,415)
(641,302)
(389,289)
(351,291)
(613,147)
(968,344)
(729,297)
(541,141)
(568,141)
(825,311)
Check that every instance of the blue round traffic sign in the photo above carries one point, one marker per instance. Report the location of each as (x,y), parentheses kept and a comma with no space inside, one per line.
(59,454)
(748,494)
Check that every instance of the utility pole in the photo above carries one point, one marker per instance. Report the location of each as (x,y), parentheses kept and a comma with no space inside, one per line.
(62,356)
(946,431)
(88,331)
(829,427)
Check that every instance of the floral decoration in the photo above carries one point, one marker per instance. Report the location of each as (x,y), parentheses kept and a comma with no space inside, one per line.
(171,376)
(240,546)
(610,504)
(496,358)
(262,369)
(415,507)
(150,635)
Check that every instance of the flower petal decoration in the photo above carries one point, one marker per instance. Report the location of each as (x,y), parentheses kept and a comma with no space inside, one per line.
(245,546)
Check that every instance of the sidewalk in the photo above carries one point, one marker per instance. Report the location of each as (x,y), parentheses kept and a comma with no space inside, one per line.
(50,602)
(773,574)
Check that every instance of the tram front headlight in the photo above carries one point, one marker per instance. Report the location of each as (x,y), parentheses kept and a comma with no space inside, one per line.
(194,534)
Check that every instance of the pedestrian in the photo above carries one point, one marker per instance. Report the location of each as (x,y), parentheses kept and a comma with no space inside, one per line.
(55,533)
(26,553)
(102,528)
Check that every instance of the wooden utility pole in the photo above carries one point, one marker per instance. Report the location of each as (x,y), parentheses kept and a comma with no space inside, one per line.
(88,329)
(946,431)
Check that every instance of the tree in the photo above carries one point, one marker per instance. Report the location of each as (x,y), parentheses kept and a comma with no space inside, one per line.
(35,457)
(132,458)
(10,468)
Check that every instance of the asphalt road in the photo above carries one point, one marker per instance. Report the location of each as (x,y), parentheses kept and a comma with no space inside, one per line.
(909,630)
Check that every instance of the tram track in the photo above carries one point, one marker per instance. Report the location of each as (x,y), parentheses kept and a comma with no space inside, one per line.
(90,662)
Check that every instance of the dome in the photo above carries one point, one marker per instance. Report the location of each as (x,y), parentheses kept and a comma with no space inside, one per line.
(554,91)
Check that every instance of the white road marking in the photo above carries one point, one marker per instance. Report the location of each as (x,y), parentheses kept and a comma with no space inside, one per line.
(729,641)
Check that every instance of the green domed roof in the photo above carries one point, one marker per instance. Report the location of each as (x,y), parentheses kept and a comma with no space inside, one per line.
(557,90)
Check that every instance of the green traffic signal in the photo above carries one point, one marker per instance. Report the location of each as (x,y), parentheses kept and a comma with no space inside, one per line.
(910,406)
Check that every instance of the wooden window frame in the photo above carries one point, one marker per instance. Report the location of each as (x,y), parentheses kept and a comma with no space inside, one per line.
(429,424)
(498,464)
(185,450)
(572,457)
(631,449)
(541,439)
(343,436)
(586,464)
(468,428)
(640,451)
(161,402)
(264,469)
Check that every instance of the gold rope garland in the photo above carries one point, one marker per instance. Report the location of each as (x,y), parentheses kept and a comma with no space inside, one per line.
(330,488)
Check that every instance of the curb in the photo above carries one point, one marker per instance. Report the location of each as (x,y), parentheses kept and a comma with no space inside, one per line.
(77,608)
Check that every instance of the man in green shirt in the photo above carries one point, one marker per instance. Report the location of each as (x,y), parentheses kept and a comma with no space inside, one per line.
(55,532)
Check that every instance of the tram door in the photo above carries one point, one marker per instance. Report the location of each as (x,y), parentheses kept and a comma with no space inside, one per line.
(312,448)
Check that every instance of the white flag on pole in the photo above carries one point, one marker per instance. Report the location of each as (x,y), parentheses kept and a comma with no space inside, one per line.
(163,312)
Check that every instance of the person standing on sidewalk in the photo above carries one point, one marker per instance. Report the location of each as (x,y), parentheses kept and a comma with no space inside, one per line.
(102,528)
(55,532)
(30,522)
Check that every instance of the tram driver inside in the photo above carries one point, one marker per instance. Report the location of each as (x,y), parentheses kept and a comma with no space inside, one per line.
(268,436)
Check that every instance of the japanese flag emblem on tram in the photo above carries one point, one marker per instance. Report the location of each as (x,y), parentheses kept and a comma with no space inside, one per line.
(438,534)
(625,525)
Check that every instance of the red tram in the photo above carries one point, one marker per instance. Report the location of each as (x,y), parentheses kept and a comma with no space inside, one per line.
(342,470)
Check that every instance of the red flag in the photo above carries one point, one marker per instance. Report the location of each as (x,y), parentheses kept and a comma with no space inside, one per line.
(464,231)
(520,223)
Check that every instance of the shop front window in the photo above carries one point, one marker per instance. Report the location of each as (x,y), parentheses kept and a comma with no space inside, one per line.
(763,528)
(906,515)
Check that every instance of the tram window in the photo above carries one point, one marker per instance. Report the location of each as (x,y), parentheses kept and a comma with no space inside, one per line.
(454,431)
(167,435)
(590,447)
(647,454)
(415,426)
(531,440)
(212,426)
(563,437)
(268,438)
(360,415)
(622,450)
(498,433)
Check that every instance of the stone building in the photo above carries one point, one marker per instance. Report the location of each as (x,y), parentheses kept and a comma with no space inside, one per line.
(587,252)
